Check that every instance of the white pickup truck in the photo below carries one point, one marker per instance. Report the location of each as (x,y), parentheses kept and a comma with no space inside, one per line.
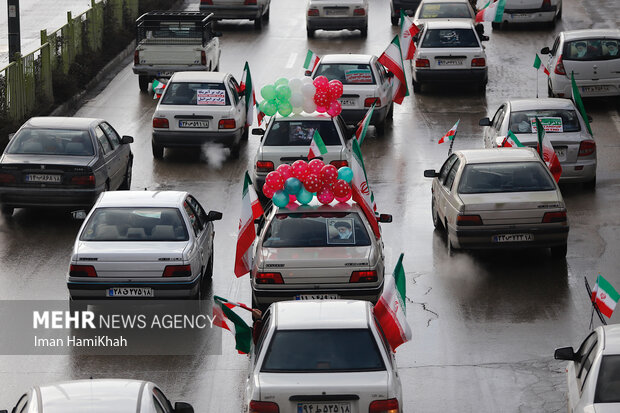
(172,41)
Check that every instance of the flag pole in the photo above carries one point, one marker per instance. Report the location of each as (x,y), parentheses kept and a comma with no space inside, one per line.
(451,143)
(537,83)
(594,307)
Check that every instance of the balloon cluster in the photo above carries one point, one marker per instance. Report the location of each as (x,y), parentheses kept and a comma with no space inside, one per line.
(301,95)
(303,180)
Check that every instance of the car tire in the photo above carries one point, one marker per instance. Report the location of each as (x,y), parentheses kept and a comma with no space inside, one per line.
(246,134)
(235,150)
(380,128)
(452,251)
(559,15)
(158,150)
(143,82)
(258,23)
(208,273)
(126,184)
(559,252)
(266,15)
(435,216)
(496,26)
(417,87)
(310,33)
(482,86)
(394,20)
(7,211)
(591,184)
(364,32)
(390,114)
(550,90)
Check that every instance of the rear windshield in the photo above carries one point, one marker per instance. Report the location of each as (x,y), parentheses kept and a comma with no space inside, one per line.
(300,133)
(343,350)
(608,383)
(553,121)
(199,94)
(591,49)
(51,142)
(135,224)
(348,74)
(339,229)
(444,11)
(505,177)
(450,38)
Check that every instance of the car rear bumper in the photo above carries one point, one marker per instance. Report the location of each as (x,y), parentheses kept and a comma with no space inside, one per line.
(165,70)
(250,12)
(336,23)
(164,289)
(562,87)
(269,296)
(48,197)
(582,171)
(353,116)
(451,75)
(483,238)
(183,139)
(529,15)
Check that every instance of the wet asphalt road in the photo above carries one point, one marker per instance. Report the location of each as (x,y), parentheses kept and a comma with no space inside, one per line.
(485,325)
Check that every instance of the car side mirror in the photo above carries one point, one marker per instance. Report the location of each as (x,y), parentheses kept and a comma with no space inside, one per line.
(384,218)
(430,173)
(545,50)
(564,353)
(79,214)
(182,407)
(484,38)
(214,216)
(4,411)
(258,131)
(126,139)
(484,122)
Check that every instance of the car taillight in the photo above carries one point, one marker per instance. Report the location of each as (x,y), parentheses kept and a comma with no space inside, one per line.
(264,166)
(383,406)
(587,148)
(465,220)
(136,57)
(84,180)
(313,12)
(551,217)
(268,278)
(7,178)
(209,2)
(227,124)
(422,63)
(359,12)
(478,62)
(178,271)
(160,123)
(363,277)
(203,58)
(369,101)
(339,164)
(546,4)
(82,271)
(263,407)
(559,67)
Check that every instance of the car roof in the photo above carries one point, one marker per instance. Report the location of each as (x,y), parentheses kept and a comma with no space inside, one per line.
(61,122)
(448,24)
(541,103)
(570,35)
(196,76)
(141,199)
(316,206)
(119,395)
(612,339)
(347,58)
(304,116)
(321,314)
(499,155)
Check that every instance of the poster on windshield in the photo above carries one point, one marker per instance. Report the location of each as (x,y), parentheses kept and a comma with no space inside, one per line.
(550,124)
(211,97)
(358,76)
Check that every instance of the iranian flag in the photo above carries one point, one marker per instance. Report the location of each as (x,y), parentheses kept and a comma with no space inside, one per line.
(579,103)
(451,133)
(362,126)
(250,210)
(604,296)
(317,146)
(538,63)
(311,60)
(361,190)
(547,153)
(407,31)
(392,59)
(511,141)
(492,12)
(225,317)
(390,310)
(158,88)
(250,97)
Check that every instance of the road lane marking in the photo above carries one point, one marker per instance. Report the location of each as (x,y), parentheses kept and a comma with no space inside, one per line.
(291,60)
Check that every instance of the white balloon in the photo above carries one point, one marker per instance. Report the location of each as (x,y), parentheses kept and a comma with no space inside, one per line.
(297,99)
(307,80)
(309,106)
(308,90)
(295,84)
(297,110)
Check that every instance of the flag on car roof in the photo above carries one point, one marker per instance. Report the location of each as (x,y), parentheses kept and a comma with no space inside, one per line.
(390,310)
(362,126)
(392,59)
(317,146)
(605,296)
(225,317)
(546,151)
(511,141)
(250,98)
(538,63)
(250,210)
(361,190)
(492,12)
(311,60)
(579,103)
(451,133)
(407,31)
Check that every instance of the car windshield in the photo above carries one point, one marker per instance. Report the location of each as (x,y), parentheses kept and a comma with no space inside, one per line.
(608,383)
(300,133)
(486,178)
(450,38)
(348,74)
(444,11)
(316,229)
(553,121)
(51,142)
(591,49)
(198,94)
(135,224)
(322,350)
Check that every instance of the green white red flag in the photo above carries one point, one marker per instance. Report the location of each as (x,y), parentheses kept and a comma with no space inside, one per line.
(392,59)
(605,296)
(492,12)
(547,153)
(451,133)
(407,31)
(158,88)
(361,190)
(579,103)
(390,310)
(538,63)
(511,141)
(317,146)
(250,210)
(250,97)
(362,126)
(311,60)
(225,317)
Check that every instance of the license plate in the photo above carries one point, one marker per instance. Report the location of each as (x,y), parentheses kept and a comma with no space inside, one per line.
(336,12)
(165,74)
(513,237)
(561,153)
(347,102)
(129,292)
(193,124)
(43,178)
(449,62)
(317,297)
(323,407)
(591,89)
(521,15)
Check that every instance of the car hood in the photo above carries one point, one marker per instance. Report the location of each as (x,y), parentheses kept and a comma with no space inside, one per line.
(47,159)
(130,251)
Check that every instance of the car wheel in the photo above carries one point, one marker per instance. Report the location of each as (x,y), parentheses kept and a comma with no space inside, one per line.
(158,150)
(380,128)
(258,23)
(451,250)
(235,150)
(394,20)
(559,252)
(364,32)
(436,221)
(559,15)
(496,26)
(550,90)
(310,33)
(591,184)
(126,184)
(390,114)
(143,81)
(266,15)
(482,86)
(208,273)
(417,87)
(246,133)
(7,211)
(217,68)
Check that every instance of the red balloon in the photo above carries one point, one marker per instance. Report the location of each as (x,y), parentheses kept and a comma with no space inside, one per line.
(274,180)
(344,198)
(312,183)
(325,195)
(268,191)
(320,98)
(335,108)
(315,166)
(300,169)
(328,174)
(340,188)
(335,89)
(285,170)
(321,109)
(320,81)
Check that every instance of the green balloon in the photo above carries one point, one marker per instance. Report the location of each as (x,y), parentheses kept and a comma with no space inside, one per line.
(285,108)
(304,197)
(268,107)
(283,92)
(268,92)
(281,81)
(280,199)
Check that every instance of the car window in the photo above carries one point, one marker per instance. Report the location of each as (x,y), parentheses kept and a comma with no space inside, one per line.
(499,116)
(103,140)
(608,381)
(384,342)
(265,326)
(322,350)
(583,351)
(300,133)
(158,406)
(22,404)
(586,365)
(498,177)
(450,38)
(164,402)
(591,49)
(444,11)
(556,44)
(297,230)
(553,121)
(452,174)
(135,224)
(381,71)
(234,90)
(51,142)
(198,210)
(192,218)
(443,172)
(196,94)
(348,74)
(111,134)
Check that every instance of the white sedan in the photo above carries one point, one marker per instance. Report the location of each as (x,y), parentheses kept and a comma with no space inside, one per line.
(455,10)
(593,372)
(322,356)
(337,15)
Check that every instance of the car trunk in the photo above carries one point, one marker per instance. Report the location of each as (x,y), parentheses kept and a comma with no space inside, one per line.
(342,8)
(45,170)
(193,118)
(523,4)
(288,154)
(511,207)
(566,144)
(181,55)
(442,59)
(354,96)
(593,72)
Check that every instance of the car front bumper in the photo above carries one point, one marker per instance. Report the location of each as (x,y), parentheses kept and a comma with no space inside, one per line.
(337,23)
(451,75)
(19,197)
(353,116)
(483,238)
(250,12)
(264,296)
(171,139)
(161,289)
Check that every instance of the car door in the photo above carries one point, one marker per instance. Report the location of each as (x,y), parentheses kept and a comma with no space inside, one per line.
(110,165)
(202,229)
(237,101)
(440,191)
(579,369)
(385,86)
(121,153)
